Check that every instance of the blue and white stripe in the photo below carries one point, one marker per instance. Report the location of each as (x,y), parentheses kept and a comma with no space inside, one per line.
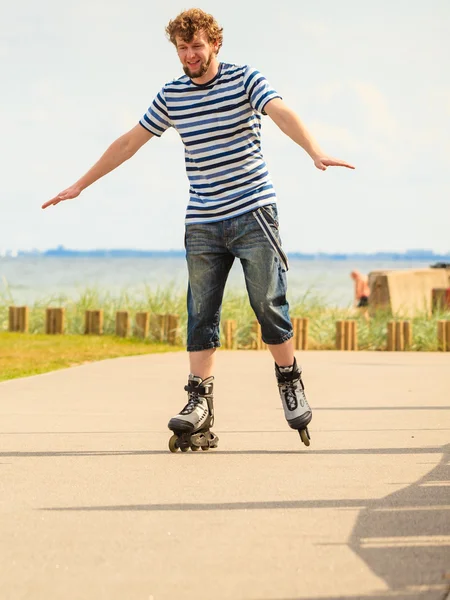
(220,126)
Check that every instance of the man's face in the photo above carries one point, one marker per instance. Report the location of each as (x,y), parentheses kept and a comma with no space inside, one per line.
(196,55)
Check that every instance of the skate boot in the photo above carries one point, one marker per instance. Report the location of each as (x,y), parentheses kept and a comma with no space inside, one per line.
(191,427)
(296,408)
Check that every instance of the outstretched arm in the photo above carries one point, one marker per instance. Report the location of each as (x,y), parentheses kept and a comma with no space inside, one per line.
(120,150)
(290,124)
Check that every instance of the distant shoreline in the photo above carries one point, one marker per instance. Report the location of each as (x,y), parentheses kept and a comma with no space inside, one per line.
(61,252)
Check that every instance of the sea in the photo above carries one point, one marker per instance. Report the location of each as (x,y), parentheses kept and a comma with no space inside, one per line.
(27,279)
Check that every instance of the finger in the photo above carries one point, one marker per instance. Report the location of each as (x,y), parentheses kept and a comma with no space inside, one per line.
(341,163)
(53,201)
(344,164)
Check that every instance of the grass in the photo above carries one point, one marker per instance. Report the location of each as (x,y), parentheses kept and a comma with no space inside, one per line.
(25,354)
(29,354)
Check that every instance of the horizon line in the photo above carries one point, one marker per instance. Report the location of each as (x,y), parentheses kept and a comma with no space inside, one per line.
(411,252)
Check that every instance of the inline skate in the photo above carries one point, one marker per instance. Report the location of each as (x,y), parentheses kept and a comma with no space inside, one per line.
(292,393)
(191,427)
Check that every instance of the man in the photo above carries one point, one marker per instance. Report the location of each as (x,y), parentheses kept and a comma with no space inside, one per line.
(362,290)
(216,108)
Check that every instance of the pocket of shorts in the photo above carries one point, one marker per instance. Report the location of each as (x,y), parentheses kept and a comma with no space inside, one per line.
(264,222)
(271,214)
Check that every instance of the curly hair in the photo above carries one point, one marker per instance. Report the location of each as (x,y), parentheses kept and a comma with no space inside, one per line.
(190,22)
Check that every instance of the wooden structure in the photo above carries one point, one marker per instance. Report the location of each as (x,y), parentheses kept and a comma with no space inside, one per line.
(229,330)
(347,335)
(405,293)
(443,334)
(165,328)
(399,336)
(301,328)
(142,324)
(158,327)
(257,341)
(173,327)
(18,319)
(54,321)
(93,323)
(122,323)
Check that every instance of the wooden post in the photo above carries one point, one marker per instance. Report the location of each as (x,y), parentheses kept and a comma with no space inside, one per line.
(54,321)
(399,339)
(297,333)
(305,333)
(93,322)
(229,328)
(300,327)
(158,327)
(257,342)
(399,336)
(18,318)
(347,335)
(407,334)
(173,322)
(350,335)
(122,323)
(340,335)
(354,336)
(444,336)
(391,336)
(142,324)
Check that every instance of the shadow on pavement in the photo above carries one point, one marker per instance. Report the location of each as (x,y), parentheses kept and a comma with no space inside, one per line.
(404,538)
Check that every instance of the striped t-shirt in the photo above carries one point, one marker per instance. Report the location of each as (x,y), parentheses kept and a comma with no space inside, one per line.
(220,126)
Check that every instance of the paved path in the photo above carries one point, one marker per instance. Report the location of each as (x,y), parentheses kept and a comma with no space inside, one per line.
(93,505)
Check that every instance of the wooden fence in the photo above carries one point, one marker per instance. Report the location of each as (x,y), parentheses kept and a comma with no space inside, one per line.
(166,328)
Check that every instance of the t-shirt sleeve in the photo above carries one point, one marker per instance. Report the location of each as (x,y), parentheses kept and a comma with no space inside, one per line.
(156,119)
(258,89)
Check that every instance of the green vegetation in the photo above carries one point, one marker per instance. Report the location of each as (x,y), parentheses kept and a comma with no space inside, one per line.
(372,334)
(24,354)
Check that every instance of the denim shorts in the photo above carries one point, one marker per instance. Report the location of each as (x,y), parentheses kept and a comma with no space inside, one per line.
(210,252)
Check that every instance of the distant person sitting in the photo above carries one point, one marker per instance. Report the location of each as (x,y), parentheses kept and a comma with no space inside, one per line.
(362,289)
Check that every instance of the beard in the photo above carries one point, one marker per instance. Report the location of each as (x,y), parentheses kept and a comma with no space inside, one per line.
(204,66)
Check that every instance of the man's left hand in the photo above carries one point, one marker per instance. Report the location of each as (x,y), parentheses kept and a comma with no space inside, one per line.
(322,162)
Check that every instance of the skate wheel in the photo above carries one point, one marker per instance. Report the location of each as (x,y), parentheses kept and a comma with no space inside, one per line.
(173,443)
(195,448)
(304,436)
(205,448)
(184,448)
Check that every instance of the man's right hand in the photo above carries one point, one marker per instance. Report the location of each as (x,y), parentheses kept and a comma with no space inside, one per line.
(71,192)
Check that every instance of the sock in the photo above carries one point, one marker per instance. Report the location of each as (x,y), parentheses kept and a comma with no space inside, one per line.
(286,369)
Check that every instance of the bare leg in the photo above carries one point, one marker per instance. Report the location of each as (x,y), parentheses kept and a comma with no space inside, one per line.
(283,354)
(201,363)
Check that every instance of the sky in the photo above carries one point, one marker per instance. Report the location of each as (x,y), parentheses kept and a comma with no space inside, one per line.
(370,80)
